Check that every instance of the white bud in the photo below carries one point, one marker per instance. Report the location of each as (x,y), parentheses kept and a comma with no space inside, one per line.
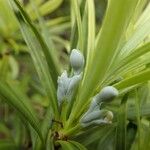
(107,94)
(93,116)
(90,116)
(93,106)
(66,86)
(74,81)
(77,61)
(63,83)
(97,118)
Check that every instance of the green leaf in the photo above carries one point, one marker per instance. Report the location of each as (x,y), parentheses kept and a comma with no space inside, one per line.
(138,112)
(145,135)
(136,79)
(45,127)
(50,142)
(140,33)
(106,140)
(15,98)
(96,134)
(74,36)
(78,145)
(19,130)
(58,20)
(138,52)
(74,25)
(145,112)
(37,48)
(111,32)
(91,32)
(130,135)
(46,34)
(130,61)
(77,15)
(66,145)
(21,15)
(121,125)
(113,27)
(4,66)
(7,144)
(91,27)
(7,16)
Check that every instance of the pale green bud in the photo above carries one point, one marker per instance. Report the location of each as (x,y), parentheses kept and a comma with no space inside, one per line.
(77,61)
(107,94)
(97,114)
(66,86)
(63,83)
(96,118)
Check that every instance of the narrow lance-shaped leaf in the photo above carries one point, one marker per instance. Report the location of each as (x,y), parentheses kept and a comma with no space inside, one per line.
(36,51)
(138,112)
(46,34)
(136,79)
(13,97)
(66,145)
(141,32)
(74,28)
(78,145)
(91,28)
(108,41)
(51,64)
(107,140)
(45,127)
(140,51)
(96,134)
(45,8)
(76,10)
(111,33)
(136,53)
(7,28)
(121,125)
(91,32)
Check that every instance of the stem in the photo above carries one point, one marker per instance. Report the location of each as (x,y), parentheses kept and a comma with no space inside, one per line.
(64,111)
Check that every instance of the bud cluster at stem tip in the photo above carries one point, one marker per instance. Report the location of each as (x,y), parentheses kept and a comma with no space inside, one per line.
(96,116)
(66,84)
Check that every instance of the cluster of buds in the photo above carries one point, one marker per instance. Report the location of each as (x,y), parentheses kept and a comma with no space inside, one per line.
(66,84)
(96,116)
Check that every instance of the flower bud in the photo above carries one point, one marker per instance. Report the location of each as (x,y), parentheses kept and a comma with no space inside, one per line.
(77,61)
(93,106)
(93,116)
(74,81)
(96,118)
(107,94)
(63,83)
(66,86)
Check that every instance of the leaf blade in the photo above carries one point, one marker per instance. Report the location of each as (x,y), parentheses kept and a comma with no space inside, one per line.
(11,96)
(36,44)
(136,79)
(121,125)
